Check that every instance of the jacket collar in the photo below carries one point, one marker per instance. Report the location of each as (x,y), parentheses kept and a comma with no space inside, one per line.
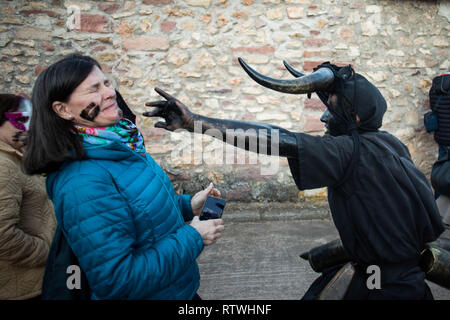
(4,147)
(110,151)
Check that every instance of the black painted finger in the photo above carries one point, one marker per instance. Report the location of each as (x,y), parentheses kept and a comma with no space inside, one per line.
(164,94)
(156,103)
(161,124)
(154,113)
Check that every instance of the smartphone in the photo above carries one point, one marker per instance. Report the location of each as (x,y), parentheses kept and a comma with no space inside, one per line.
(213,208)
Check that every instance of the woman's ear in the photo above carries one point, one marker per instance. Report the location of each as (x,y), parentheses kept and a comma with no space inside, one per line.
(62,110)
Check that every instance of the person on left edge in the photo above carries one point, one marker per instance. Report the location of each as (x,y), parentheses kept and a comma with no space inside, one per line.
(117,208)
(27,220)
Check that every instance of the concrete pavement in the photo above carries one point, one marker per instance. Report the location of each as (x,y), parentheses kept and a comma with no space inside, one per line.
(259,259)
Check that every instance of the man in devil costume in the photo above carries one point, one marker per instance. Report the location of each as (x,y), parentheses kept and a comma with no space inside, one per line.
(381,204)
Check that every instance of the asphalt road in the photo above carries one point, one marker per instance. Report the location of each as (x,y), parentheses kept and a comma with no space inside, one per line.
(260,261)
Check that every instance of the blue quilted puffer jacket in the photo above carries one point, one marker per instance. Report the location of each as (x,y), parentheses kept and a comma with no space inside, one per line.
(126,225)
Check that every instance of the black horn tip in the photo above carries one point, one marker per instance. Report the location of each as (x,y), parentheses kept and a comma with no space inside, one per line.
(291,70)
(242,62)
(250,71)
(286,64)
(305,255)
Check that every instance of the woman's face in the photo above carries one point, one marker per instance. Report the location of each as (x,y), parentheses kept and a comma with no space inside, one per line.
(93,103)
(14,130)
(12,136)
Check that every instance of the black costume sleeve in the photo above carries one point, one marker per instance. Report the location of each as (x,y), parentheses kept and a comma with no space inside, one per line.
(321,161)
(392,202)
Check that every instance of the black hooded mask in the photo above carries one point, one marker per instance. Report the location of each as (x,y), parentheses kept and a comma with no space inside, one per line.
(356,95)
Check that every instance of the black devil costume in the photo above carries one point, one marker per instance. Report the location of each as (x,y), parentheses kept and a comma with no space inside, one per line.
(381,204)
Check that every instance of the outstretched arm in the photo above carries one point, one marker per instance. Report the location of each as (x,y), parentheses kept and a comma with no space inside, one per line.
(252,136)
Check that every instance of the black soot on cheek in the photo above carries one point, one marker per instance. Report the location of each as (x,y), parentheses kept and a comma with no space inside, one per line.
(90,112)
(16,136)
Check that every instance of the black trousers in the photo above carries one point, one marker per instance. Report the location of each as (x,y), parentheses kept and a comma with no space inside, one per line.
(398,284)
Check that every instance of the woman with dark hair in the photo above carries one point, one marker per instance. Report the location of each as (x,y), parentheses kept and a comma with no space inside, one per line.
(115,205)
(27,220)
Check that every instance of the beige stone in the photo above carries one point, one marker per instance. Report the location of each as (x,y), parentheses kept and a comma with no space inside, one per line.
(377,76)
(275,13)
(23,79)
(178,57)
(373,9)
(394,93)
(321,24)
(125,28)
(253,91)
(146,12)
(190,25)
(271,116)
(33,33)
(32,53)
(28,43)
(12,52)
(106,57)
(294,12)
(5,38)
(419,40)
(199,3)
(313,124)
(6,67)
(11,20)
(178,12)
(346,33)
(203,59)
(440,43)
(412,118)
(7,10)
(395,52)
(81,5)
(369,28)
(32,61)
(298,1)
(425,85)
(145,25)
(129,5)
(221,21)
(146,43)
(123,14)
(188,72)
(354,17)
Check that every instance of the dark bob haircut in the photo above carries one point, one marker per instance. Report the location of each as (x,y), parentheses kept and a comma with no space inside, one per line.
(53,140)
(8,103)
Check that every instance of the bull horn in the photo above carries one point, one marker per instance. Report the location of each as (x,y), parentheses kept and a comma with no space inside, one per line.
(292,71)
(320,80)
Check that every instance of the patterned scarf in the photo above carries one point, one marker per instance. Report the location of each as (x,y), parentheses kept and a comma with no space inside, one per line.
(124,132)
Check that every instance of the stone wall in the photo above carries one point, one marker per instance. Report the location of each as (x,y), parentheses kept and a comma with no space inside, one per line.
(190,48)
